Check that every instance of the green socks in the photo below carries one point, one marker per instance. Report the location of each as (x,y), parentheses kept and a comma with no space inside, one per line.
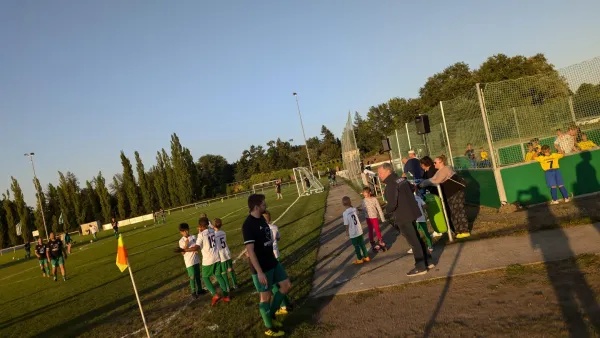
(222,284)
(209,285)
(277,299)
(275,290)
(225,279)
(233,278)
(265,313)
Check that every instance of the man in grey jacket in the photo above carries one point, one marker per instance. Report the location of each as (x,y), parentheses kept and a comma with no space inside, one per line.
(402,204)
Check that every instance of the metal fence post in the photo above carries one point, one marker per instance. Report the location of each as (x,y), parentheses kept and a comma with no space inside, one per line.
(519,132)
(446,133)
(497,175)
(408,136)
(572,109)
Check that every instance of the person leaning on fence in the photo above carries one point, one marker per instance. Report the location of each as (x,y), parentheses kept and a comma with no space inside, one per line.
(470,155)
(586,144)
(412,166)
(429,171)
(564,143)
(554,179)
(532,153)
(453,190)
(485,159)
(401,203)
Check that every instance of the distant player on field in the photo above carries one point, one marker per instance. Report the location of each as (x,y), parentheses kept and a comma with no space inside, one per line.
(278,189)
(258,240)
(225,255)
(192,262)
(115,226)
(55,252)
(68,242)
(93,231)
(40,252)
(554,179)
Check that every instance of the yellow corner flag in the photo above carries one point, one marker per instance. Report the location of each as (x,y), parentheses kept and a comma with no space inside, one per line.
(121,255)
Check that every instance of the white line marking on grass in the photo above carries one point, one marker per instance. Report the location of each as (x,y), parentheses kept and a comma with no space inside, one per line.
(233,212)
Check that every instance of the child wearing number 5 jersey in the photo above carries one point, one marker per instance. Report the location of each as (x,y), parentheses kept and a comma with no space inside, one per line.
(211,261)
(354,231)
(554,179)
(225,255)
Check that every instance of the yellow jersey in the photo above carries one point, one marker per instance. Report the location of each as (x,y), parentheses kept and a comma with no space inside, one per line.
(586,145)
(549,162)
(483,155)
(530,156)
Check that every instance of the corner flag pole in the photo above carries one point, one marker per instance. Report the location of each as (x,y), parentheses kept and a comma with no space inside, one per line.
(138,299)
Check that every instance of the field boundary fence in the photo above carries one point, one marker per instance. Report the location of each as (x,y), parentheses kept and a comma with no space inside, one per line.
(491,125)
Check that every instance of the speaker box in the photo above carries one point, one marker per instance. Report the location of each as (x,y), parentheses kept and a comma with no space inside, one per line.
(386,144)
(422,123)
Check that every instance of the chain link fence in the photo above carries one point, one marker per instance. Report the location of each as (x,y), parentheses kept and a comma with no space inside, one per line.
(351,155)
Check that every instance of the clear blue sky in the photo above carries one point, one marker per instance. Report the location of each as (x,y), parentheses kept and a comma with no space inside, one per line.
(82,80)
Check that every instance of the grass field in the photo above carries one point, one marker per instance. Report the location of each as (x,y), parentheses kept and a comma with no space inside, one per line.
(98,300)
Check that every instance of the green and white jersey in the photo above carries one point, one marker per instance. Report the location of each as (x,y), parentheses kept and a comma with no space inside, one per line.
(207,243)
(190,258)
(221,240)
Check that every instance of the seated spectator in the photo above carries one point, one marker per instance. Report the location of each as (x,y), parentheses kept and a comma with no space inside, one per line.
(586,144)
(564,143)
(485,161)
(532,153)
(536,145)
(412,166)
(470,155)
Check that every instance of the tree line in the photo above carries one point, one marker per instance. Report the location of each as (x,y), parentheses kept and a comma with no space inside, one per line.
(175,179)
(382,119)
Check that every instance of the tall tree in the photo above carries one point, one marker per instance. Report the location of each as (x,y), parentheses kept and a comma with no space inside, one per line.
(145,188)
(93,201)
(104,197)
(119,191)
(11,222)
(171,180)
(41,207)
(330,146)
(215,173)
(54,208)
(160,182)
(22,209)
(182,176)
(447,84)
(129,185)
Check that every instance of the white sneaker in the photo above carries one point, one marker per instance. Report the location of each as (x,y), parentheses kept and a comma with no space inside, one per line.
(409,251)
(554,202)
(436,234)
(567,200)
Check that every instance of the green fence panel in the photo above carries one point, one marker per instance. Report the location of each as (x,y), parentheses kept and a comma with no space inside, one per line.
(526,183)
(481,187)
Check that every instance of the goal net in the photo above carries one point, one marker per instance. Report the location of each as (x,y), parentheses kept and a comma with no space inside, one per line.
(260,187)
(306,183)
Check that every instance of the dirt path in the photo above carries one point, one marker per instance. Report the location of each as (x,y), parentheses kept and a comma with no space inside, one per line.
(335,274)
(557,299)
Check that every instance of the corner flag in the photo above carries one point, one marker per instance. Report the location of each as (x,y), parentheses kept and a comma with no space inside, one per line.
(122,262)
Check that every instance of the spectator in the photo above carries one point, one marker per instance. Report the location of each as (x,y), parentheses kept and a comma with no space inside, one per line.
(532,153)
(429,171)
(402,204)
(485,162)
(453,188)
(470,155)
(564,143)
(536,145)
(412,166)
(27,248)
(575,132)
(586,144)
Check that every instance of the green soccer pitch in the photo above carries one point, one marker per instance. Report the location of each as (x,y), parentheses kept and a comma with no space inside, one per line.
(97,300)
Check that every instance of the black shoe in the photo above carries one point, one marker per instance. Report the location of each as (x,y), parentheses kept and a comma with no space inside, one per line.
(202,291)
(416,272)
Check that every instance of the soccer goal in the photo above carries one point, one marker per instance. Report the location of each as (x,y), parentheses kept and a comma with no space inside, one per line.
(262,186)
(306,183)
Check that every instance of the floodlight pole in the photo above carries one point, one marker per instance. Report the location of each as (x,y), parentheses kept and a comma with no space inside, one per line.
(37,190)
(304,135)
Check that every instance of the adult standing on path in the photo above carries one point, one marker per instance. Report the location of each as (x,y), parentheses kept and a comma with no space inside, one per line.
(453,188)
(258,240)
(402,204)
(412,166)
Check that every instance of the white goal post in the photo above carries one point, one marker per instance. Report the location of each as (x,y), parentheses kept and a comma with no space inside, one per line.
(261,186)
(306,183)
